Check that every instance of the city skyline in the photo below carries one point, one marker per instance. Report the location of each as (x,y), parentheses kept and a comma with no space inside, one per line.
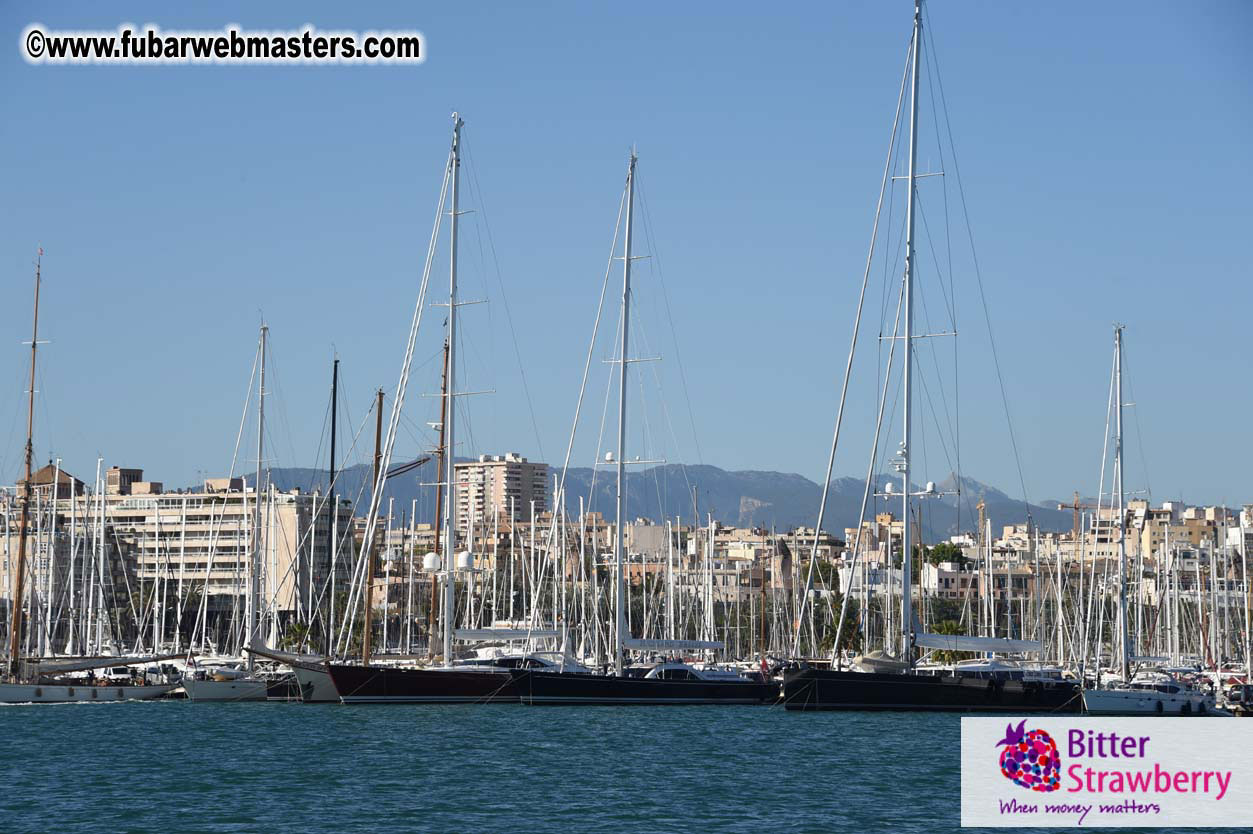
(207,195)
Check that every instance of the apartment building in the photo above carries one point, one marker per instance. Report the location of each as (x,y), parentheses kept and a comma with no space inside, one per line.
(193,542)
(499,485)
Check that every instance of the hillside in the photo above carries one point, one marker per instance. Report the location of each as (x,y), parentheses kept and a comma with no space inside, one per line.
(744,498)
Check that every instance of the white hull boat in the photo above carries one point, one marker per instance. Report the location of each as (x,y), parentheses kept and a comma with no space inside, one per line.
(45,693)
(238,689)
(1149,700)
(316,686)
(312,678)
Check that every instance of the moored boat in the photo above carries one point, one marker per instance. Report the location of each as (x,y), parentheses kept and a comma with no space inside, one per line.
(87,679)
(479,681)
(435,685)
(316,686)
(225,684)
(667,684)
(945,691)
(1156,695)
(59,693)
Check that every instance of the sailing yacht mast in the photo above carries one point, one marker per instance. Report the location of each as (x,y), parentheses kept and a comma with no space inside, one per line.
(439,503)
(330,502)
(1125,660)
(254,584)
(15,613)
(450,412)
(367,626)
(620,610)
(907,619)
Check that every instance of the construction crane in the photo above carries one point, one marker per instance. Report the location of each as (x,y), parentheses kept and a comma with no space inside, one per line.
(1077,507)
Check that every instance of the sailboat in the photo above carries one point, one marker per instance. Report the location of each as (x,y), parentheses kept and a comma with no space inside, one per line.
(36,680)
(1147,693)
(477,680)
(671,683)
(312,683)
(234,683)
(897,683)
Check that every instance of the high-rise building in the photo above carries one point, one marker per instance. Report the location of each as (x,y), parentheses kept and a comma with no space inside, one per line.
(503,485)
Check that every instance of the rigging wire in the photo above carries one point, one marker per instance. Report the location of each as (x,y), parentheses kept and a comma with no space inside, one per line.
(398,398)
(655,265)
(987,316)
(550,537)
(948,247)
(1135,416)
(513,333)
(848,368)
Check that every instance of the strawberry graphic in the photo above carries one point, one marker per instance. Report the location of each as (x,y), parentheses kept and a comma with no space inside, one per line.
(1030,758)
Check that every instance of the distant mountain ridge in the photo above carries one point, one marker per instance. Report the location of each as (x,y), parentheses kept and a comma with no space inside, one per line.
(743,498)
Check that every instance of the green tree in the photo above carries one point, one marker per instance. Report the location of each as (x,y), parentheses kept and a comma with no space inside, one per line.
(850,635)
(295,637)
(950,627)
(826,575)
(946,552)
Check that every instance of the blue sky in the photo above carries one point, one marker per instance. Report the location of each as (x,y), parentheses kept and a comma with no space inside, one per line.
(1103,151)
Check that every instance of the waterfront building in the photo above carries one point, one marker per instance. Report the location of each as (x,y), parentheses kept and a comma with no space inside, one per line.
(166,550)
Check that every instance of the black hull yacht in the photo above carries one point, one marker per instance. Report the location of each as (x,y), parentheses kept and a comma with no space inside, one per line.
(478,682)
(670,684)
(383,685)
(992,684)
(829,689)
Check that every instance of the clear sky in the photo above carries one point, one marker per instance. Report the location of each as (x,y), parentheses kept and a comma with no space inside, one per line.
(1104,153)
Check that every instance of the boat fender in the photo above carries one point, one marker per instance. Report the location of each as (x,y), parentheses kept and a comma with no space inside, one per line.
(39,691)
(94,694)
(71,691)
(1200,708)
(1160,708)
(120,693)
(1186,709)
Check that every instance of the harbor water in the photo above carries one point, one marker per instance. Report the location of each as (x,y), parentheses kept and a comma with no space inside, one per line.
(174,766)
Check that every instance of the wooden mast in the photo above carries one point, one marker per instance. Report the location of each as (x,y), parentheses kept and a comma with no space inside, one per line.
(439,500)
(369,546)
(15,605)
(330,490)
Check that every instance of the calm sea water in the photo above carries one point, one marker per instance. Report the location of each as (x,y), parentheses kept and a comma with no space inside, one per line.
(182,767)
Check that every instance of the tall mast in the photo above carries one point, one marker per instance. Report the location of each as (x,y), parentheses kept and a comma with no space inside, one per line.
(254,584)
(1244,577)
(368,625)
(439,498)
(1125,660)
(330,483)
(620,610)
(450,411)
(907,618)
(15,617)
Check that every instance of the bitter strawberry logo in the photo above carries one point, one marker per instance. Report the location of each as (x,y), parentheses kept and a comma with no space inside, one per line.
(1030,758)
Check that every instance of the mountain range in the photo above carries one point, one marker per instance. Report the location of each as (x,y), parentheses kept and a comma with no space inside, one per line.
(748,498)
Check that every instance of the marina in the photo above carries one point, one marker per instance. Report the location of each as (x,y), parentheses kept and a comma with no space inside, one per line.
(443,536)
(290,595)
